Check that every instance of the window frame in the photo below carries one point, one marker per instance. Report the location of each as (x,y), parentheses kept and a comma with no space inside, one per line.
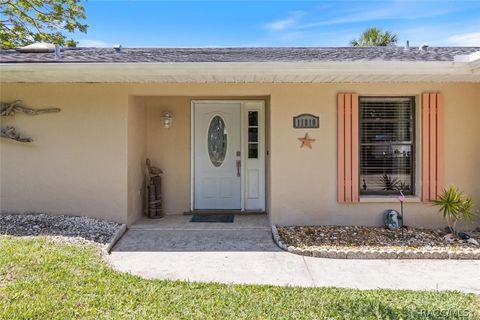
(414,144)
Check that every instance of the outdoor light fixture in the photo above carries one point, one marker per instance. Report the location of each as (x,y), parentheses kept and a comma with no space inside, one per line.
(167,119)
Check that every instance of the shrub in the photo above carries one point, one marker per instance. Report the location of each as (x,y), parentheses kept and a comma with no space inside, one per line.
(454,206)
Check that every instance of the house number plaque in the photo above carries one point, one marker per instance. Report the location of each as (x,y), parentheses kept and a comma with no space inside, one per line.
(306,121)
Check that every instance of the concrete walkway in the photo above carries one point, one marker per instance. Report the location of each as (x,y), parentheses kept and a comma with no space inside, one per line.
(243,252)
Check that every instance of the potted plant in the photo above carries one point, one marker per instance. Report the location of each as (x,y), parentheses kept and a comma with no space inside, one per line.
(454,206)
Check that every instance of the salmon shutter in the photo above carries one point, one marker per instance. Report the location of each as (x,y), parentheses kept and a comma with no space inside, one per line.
(347,147)
(433,142)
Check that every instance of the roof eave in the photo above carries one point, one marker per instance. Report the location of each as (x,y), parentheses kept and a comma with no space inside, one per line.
(385,71)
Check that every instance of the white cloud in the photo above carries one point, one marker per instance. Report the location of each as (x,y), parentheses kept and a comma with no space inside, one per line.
(465,39)
(389,13)
(289,22)
(93,43)
(412,22)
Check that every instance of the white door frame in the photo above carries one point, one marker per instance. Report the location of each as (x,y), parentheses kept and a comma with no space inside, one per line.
(246,105)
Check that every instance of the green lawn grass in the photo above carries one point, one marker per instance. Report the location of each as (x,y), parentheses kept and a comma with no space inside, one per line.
(40,279)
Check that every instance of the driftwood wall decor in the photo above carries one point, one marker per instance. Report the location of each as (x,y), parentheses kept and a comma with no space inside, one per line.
(11,133)
(8,109)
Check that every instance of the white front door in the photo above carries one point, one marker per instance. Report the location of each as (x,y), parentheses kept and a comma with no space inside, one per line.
(217,155)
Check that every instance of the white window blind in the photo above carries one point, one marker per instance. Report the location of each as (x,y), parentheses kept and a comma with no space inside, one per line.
(386,143)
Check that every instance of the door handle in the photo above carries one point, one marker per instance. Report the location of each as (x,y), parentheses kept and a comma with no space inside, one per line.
(239,164)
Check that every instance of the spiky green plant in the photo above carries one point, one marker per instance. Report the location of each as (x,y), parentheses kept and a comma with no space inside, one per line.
(393,184)
(389,183)
(454,206)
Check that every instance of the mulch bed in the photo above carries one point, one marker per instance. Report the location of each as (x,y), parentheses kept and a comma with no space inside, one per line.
(335,237)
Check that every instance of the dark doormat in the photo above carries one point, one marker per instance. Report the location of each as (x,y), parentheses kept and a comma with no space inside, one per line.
(227,218)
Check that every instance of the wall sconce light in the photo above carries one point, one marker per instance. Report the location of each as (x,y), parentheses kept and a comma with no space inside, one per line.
(167,119)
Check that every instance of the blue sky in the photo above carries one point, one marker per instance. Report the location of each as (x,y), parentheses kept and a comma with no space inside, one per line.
(277,23)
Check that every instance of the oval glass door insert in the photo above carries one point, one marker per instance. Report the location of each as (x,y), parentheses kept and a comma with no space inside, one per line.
(217,141)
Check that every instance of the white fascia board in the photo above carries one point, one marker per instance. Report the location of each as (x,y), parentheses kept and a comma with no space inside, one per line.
(467,57)
(181,72)
(472,59)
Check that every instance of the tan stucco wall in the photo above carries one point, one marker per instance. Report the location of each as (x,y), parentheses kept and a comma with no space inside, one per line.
(136,153)
(77,162)
(169,149)
(301,183)
(306,191)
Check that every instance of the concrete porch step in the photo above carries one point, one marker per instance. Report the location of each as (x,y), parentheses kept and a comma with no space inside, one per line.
(196,240)
(217,212)
(182,222)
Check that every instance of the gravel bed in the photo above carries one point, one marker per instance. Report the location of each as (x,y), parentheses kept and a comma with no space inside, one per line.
(60,228)
(357,237)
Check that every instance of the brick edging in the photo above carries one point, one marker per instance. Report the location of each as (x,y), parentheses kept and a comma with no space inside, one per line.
(357,253)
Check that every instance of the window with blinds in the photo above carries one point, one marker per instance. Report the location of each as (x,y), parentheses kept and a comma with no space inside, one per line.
(387,145)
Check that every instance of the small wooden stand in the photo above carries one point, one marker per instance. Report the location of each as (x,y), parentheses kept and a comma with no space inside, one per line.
(153,192)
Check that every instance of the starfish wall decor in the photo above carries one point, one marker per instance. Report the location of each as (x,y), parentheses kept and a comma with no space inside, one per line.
(306,141)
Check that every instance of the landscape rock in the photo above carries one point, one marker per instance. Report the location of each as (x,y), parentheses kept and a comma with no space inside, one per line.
(75,229)
(355,254)
(341,254)
(437,255)
(307,252)
(453,255)
(464,255)
(449,237)
(316,253)
(391,254)
(331,254)
(473,241)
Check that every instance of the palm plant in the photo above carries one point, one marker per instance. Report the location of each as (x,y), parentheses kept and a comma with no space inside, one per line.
(454,206)
(374,37)
(393,184)
(389,183)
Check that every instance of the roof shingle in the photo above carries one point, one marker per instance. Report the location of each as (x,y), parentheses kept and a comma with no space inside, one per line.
(178,55)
